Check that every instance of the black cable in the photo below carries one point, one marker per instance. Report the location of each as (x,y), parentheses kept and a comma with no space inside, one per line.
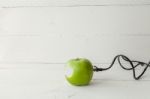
(133,64)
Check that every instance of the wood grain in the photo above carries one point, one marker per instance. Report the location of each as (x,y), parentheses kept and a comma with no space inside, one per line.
(54,35)
(37,37)
(47,81)
(71,3)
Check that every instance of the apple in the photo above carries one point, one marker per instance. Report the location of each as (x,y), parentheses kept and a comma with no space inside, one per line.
(79,71)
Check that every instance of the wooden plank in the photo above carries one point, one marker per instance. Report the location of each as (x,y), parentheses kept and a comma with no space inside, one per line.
(54,35)
(33,3)
(47,81)
(53,49)
(122,21)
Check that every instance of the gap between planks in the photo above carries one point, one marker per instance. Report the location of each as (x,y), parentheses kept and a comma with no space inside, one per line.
(76,5)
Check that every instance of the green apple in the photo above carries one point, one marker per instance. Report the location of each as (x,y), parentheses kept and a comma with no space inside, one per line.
(79,71)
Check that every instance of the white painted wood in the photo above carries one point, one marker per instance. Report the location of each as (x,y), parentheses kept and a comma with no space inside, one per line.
(38,81)
(98,30)
(56,34)
(33,3)
(122,21)
(60,49)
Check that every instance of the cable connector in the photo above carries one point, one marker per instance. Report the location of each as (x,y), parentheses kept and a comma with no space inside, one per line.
(96,69)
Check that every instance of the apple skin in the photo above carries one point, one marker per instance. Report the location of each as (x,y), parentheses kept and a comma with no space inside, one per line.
(79,71)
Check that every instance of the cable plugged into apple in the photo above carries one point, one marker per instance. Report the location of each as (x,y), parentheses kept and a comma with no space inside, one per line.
(79,71)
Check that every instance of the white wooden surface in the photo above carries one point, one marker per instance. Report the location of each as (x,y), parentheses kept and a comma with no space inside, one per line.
(55,34)
(71,3)
(38,36)
(46,81)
